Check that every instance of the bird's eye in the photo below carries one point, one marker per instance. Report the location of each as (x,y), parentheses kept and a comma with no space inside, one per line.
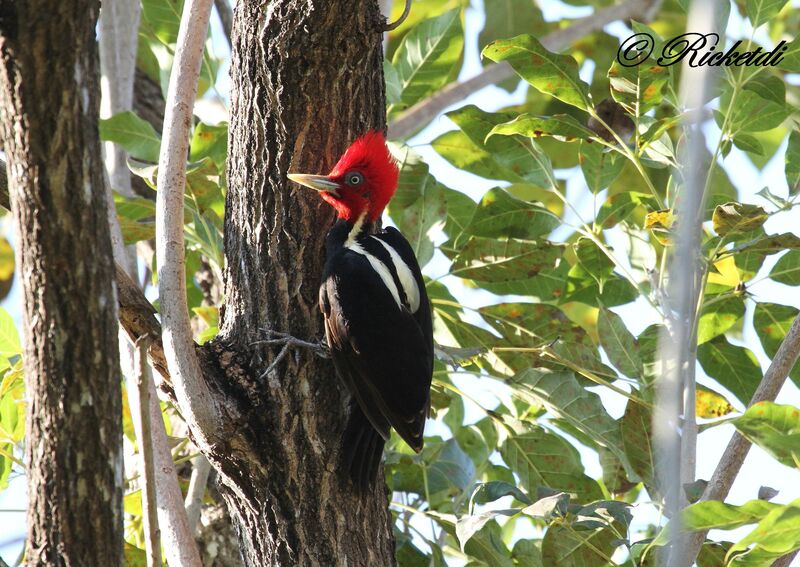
(353,179)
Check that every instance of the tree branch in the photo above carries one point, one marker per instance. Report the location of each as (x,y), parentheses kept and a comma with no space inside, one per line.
(145,438)
(198,406)
(197,488)
(412,119)
(225,17)
(738,447)
(179,546)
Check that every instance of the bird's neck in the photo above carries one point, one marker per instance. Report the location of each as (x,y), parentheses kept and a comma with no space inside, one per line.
(345,233)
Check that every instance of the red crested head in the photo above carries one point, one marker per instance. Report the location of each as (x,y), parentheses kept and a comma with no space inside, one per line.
(363,181)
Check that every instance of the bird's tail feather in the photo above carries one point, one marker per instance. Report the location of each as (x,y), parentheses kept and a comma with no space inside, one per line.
(362,448)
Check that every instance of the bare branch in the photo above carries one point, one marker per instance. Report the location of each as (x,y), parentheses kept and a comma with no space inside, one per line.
(738,447)
(786,560)
(198,406)
(399,21)
(410,120)
(149,503)
(225,16)
(197,488)
(180,548)
(674,423)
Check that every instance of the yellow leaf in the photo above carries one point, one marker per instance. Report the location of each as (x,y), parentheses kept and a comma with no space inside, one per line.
(709,403)
(6,259)
(724,273)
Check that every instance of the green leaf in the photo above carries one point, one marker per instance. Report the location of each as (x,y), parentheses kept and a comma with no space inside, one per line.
(718,317)
(493,260)
(487,546)
(750,112)
(533,324)
(787,268)
(793,162)
(768,87)
(467,526)
(732,218)
(600,167)
(550,73)
(761,11)
(542,459)
(771,322)
(509,18)
(134,557)
(620,345)
(770,244)
(135,135)
(9,337)
(527,552)
(393,87)
(548,507)
(636,428)
(775,428)
(620,206)
(638,87)
(777,534)
(567,547)
(162,18)
(500,214)
(419,206)
(561,126)
(518,159)
(460,208)
(210,141)
(460,151)
(564,397)
(791,57)
(735,367)
(426,57)
(748,143)
(486,492)
(712,514)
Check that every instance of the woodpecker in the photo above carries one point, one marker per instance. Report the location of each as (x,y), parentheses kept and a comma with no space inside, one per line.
(377,315)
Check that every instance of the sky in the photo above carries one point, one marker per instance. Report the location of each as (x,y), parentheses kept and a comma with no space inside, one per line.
(759,469)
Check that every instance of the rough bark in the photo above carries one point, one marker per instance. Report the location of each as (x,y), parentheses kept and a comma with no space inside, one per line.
(307,79)
(48,109)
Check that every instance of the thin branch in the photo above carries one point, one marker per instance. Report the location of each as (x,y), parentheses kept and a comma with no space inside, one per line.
(674,423)
(786,560)
(138,317)
(197,405)
(399,21)
(225,17)
(410,120)
(159,482)
(180,548)
(197,489)
(145,442)
(738,447)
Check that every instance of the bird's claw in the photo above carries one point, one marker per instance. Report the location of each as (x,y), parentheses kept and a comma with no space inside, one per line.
(320,348)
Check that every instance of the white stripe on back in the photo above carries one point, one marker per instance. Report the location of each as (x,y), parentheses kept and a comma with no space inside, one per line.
(380,268)
(405,276)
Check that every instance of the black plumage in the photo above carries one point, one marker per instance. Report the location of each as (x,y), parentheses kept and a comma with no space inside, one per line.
(381,340)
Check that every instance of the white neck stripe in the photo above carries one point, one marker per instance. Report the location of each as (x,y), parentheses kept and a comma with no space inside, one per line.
(351,236)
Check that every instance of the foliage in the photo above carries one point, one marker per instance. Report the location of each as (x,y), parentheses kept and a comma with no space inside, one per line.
(527,380)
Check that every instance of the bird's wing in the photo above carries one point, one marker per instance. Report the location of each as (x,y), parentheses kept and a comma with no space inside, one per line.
(381,351)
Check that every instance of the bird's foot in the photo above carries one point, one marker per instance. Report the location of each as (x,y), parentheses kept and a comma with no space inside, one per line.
(320,348)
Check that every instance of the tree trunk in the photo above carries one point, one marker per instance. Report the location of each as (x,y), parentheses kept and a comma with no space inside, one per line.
(49,108)
(307,79)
